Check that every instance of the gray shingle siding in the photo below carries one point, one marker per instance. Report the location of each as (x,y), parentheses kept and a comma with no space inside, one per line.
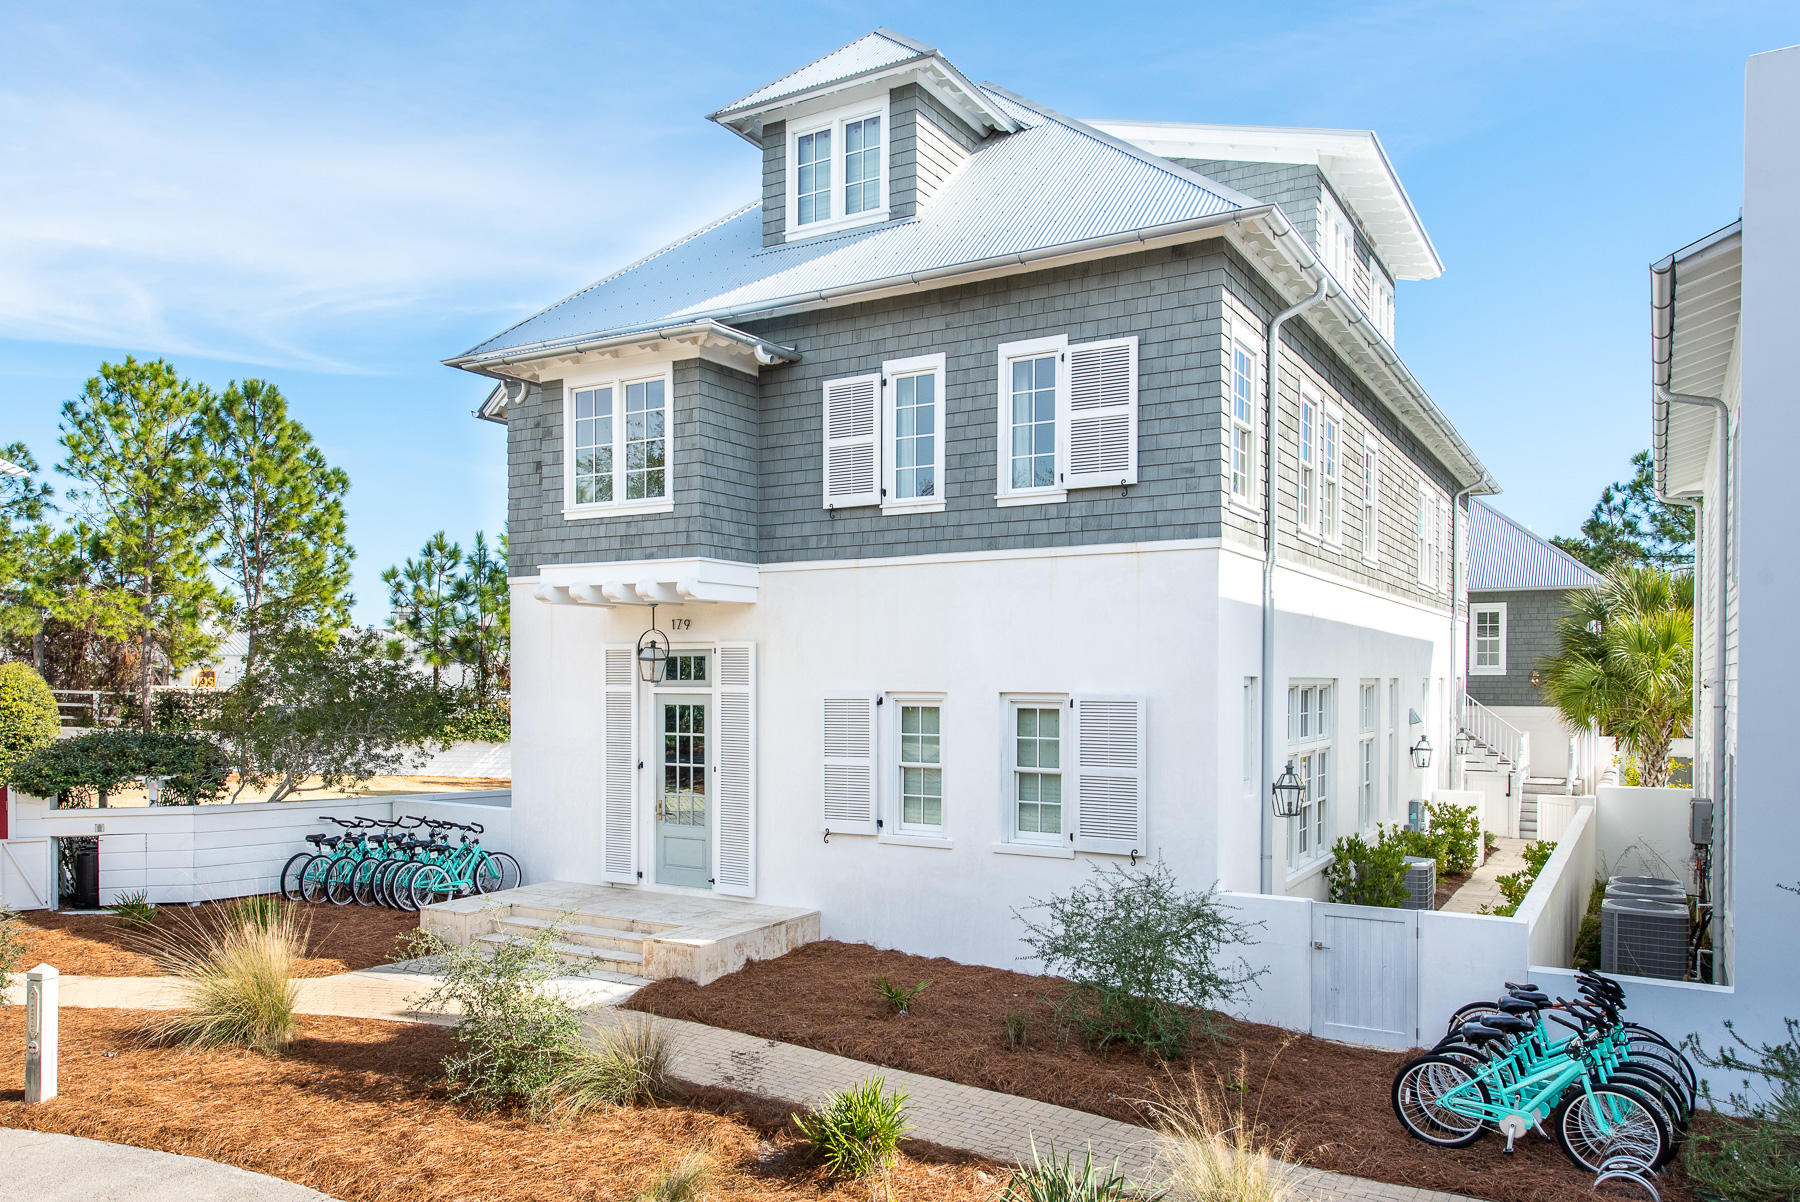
(1293,186)
(1531,621)
(712,476)
(926,142)
(774,176)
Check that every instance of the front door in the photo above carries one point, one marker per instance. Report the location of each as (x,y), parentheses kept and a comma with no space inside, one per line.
(683,800)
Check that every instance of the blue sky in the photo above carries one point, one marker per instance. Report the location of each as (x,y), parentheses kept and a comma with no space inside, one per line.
(336,197)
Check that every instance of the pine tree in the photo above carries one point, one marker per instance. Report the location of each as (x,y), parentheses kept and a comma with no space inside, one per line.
(133,443)
(1630,524)
(483,637)
(25,544)
(280,524)
(422,600)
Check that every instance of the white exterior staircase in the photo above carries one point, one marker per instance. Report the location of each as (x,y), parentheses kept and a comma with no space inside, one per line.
(1497,745)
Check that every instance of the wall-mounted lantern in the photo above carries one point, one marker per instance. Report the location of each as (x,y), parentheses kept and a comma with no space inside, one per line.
(1421,753)
(1287,794)
(652,652)
(1464,744)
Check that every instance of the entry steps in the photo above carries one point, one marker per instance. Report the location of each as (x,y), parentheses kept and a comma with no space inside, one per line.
(609,948)
(1535,787)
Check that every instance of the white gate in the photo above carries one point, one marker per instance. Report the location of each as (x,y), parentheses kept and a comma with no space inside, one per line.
(25,874)
(1365,975)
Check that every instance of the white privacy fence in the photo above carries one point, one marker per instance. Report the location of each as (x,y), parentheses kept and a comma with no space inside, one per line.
(201,853)
(1558,899)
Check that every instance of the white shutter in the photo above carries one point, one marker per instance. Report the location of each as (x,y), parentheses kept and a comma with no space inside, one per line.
(619,772)
(848,749)
(1111,801)
(1100,420)
(734,798)
(853,441)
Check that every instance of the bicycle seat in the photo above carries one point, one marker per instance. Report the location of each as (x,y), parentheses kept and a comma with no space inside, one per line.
(1527,987)
(1533,997)
(1508,1024)
(315,840)
(1519,1006)
(1479,1033)
(331,840)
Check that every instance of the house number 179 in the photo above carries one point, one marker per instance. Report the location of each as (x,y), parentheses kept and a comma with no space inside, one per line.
(681,623)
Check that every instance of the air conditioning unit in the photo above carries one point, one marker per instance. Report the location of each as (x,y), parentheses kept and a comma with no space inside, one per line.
(1421,883)
(1655,884)
(1642,937)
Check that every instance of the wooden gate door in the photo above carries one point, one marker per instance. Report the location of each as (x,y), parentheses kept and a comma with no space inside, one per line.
(1365,978)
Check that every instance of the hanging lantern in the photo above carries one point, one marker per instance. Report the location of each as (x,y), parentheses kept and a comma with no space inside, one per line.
(1464,744)
(1421,753)
(1287,794)
(652,652)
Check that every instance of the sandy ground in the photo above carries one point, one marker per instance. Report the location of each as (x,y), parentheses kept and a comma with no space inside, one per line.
(377,786)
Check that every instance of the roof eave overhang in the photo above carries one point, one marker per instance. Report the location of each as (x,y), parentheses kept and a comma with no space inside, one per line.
(1675,469)
(933,68)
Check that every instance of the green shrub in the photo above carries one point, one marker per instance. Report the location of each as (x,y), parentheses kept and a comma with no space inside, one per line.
(1362,873)
(899,998)
(1017,1027)
(75,770)
(1587,937)
(1144,957)
(628,1064)
(12,949)
(1065,1181)
(28,715)
(1456,836)
(684,1181)
(235,978)
(1515,885)
(134,909)
(474,720)
(262,910)
(856,1132)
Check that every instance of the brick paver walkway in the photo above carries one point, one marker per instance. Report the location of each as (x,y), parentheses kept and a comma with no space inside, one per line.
(962,1117)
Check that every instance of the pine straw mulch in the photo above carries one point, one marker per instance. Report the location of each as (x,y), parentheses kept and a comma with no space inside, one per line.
(1330,1099)
(356,1109)
(100,945)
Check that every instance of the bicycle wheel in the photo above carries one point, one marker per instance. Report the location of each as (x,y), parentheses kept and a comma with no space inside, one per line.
(511,876)
(340,886)
(1666,1092)
(1418,1093)
(384,872)
(1644,1041)
(314,878)
(489,876)
(1613,1120)
(1473,1012)
(364,885)
(400,886)
(430,884)
(293,872)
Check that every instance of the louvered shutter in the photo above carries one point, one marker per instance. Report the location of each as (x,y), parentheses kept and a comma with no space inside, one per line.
(848,746)
(853,441)
(1110,799)
(619,771)
(734,798)
(1100,421)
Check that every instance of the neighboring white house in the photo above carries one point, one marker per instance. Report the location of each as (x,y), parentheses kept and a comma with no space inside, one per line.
(1725,417)
(946,465)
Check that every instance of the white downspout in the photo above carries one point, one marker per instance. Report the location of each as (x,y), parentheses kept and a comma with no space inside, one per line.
(1271,530)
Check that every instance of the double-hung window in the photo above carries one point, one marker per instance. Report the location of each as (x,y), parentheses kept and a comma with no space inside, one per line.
(1488,646)
(1381,302)
(617,432)
(838,172)
(1368,718)
(1067,417)
(1242,412)
(1337,240)
(1310,719)
(1036,737)
(1330,517)
(1429,562)
(1371,502)
(884,437)
(917,771)
(1307,496)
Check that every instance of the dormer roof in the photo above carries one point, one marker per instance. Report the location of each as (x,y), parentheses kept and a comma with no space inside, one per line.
(882,54)
(1351,159)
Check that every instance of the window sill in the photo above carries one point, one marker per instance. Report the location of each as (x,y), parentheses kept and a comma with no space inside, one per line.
(1054,496)
(1487,671)
(1047,851)
(582,513)
(1244,509)
(1305,872)
(901,839)
(897,507)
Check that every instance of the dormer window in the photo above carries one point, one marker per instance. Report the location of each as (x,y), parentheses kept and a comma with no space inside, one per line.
(840,167)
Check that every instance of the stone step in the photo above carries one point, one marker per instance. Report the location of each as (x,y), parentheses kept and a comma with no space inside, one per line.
(589,918)
(586,934)
(580,956)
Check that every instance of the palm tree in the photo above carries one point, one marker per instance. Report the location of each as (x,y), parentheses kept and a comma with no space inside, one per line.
(1624,663)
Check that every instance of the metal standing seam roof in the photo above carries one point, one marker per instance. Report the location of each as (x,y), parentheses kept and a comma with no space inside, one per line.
(871,52)
(1505,556)
(1028,191)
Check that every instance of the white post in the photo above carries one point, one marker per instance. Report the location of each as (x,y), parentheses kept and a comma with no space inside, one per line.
(40,1034)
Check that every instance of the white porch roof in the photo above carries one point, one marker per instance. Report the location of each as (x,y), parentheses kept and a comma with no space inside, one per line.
(695,581)
(1695,308)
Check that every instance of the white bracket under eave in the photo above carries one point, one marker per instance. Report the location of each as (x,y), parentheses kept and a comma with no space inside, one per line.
(694,581)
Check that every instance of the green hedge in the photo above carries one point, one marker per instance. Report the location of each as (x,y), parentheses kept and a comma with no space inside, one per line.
(475,721)
(28,717)
(74,770)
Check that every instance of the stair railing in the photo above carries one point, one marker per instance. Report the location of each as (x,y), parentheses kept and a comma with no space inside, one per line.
(1494,733)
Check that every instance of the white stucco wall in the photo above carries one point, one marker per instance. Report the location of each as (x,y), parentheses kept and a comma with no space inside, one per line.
(1176,624)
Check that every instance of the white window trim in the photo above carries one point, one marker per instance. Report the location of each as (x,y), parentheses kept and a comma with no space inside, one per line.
(1295,747)
(1367,736)
(1474,613)
(1337,239)
(618,508)
(1381,301)
(1306,517)
(893,827)
(1331,476)
(1236,335)
(1371,507)
(835,120)
(1426,540)
(1029,348)
(1027,843)
(890,371)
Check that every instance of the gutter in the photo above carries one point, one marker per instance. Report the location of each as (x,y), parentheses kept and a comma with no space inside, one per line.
(767,353)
